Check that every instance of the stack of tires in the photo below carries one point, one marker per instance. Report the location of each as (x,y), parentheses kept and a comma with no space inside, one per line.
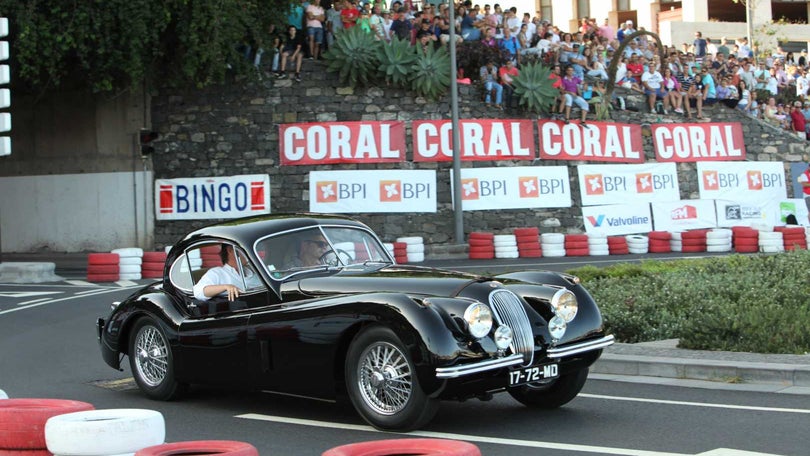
(152,267)
(719,240)
(104,432)
(598,245)
(617,245)
(23,421)
(129,265)
(771,242)
(660,241)
(201,447)
(793,237)
(676,242)
(637,244)
(400,252)
(505,246)
(482,245)
(102,267)
(528,242)
(745,239)
(576,245)
(552,244)
(415,248)
(693,241)
(209,256)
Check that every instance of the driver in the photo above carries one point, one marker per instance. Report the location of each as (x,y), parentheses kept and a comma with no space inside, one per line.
(309,250)
(226,279)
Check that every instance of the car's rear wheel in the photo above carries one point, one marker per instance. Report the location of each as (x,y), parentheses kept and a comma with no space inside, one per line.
(151,361)
(554,394)
(382,383)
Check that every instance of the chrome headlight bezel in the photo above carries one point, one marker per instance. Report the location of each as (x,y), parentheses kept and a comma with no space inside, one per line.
(565,304)
(503,337)
(479,318)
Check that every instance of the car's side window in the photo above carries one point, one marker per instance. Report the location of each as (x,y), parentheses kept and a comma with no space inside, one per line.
(187,269)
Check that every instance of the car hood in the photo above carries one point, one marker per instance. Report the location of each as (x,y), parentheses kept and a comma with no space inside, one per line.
(391,279)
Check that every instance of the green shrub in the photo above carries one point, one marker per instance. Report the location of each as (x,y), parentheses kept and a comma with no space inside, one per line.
(355,55)
(535,89)
(430,73)
(396,59)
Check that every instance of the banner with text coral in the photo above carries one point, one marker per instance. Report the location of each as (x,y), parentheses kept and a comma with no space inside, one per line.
(599,141)
(617,219)
(480,139)
(372,191)
(325,143)
(518,187)
(754,183)
(684,215)
(212,197)
(698,142)
(620,184)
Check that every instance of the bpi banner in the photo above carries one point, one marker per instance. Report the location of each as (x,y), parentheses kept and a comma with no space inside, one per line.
(346,142)
(755,183)
(619,184)
(372,191)
(617,219)
(698,142)
(684,215)
(599,141)
(520,187)
(484,139)
(212,197)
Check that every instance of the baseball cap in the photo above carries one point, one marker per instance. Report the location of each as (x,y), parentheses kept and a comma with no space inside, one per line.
(629,22)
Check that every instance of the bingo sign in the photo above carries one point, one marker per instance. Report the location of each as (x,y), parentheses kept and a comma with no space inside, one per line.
(372,191)
(755,183)
(519,187)
(212,197)
(621,184)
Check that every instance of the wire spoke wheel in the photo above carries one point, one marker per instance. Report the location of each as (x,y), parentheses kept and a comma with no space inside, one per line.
(384,378)
(151,355)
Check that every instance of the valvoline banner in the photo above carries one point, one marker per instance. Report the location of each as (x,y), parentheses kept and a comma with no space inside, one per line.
(341,142)
(698,142)
(212,197)
(621,184)
(617,219)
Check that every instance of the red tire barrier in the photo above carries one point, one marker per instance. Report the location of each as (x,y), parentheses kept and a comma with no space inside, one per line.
(200,447)
(102,258)
(694,234)
(577,252)
(747,249)
(438,447)
(620,251)
(477,241)
(154,257)
(102,277)
(693,248)
(22,421)
(526,232)
(576,238)
(481,255)
(528,238)
(661,235)
(482,235)
(746,242)
(528,246)
(103,269)
(25,453)
(575,245)
(210,249)
(531,253)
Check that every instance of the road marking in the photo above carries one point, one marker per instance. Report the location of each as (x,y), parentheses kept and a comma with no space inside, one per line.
(51,301)
(81,283)
(468,438)
(33,301)
(26,294)
(125,283)
(695,404)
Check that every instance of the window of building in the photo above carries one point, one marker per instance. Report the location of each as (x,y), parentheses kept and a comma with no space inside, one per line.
(545,10)
(623,5)
(584,8)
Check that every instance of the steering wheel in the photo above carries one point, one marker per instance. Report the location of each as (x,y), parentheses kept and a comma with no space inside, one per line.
(335,257)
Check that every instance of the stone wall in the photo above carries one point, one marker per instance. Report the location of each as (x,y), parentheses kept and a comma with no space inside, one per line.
(233,129)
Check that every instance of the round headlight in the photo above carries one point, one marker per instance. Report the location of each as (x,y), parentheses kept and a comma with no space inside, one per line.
(479,319)
(565,304)
(503,337)
(557,327)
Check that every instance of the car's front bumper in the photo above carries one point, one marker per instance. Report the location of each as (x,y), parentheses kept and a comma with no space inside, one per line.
(513,360)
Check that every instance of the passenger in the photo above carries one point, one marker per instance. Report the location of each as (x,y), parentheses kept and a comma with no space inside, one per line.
(226,280)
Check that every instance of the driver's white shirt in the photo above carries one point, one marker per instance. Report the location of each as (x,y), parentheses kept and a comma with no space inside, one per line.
(224,275)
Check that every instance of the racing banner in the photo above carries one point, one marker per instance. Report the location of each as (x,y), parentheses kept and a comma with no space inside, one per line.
(599,141)
(684,215)
(520,187)
(372,191)
(698,142)
(617,219)
(212,197)
(326,143)
(755,183)
(620,184)
(480,139)
(734,213)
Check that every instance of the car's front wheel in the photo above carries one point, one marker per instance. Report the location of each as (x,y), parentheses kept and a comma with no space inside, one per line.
(151,361)
(554,394)
(382,383)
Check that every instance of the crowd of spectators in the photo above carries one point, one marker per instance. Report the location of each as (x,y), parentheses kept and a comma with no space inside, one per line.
(771,87)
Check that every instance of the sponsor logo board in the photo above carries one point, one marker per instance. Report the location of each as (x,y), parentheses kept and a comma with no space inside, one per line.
(599,141)
(698,142)
(617,219)
(757,183)
(345,142)
(516,187)
(371,191)
(618,184)
(480,139)
(684,215)
(212,197)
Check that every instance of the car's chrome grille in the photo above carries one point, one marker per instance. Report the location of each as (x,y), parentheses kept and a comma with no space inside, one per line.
(509,310)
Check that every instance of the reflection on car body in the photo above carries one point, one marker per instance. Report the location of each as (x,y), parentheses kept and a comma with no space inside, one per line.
(396,339)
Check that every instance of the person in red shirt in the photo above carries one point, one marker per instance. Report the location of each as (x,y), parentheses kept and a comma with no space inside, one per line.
(507,73)
(635,68)
(797,119)
(349,15)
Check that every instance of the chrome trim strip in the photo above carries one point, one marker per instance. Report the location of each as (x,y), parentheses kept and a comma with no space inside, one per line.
(509,310)
(568,350)
(474,368)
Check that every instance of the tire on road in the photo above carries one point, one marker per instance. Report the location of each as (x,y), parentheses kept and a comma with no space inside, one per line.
(201,447)
(437,447)
(22,421)
(111,431)
(554,394)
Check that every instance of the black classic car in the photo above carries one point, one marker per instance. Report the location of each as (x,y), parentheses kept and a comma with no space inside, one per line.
(395,339)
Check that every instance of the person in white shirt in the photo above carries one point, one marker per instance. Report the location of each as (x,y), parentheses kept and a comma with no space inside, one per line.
(651,81)
(802,84)
(226,280)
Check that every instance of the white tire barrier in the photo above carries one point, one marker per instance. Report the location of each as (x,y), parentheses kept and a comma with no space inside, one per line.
(104,432)
(552,238)
(412,246)
(130,263)
(637,244)
(3,395)
(128,252)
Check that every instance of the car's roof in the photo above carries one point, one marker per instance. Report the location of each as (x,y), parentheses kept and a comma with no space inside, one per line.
(246,230)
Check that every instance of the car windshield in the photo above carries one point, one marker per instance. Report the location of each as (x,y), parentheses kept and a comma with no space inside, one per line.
(319,248)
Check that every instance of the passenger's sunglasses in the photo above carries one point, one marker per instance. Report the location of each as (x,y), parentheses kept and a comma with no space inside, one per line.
(320,244)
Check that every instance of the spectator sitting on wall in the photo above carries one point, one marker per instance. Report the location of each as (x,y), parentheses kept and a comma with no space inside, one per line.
(797,120)
(489,76)
(507,73)
(292,50)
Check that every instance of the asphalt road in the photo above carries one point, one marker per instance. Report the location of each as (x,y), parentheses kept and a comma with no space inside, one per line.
(48,348)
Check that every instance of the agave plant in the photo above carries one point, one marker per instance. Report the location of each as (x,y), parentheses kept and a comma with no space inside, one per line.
(430,73)
(355,55)
(396,59)
(535,88)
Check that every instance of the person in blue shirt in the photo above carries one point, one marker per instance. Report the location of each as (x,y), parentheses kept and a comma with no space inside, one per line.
(700,45)
(509,43)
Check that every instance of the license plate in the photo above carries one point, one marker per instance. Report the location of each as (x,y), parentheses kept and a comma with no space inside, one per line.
(533,374)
